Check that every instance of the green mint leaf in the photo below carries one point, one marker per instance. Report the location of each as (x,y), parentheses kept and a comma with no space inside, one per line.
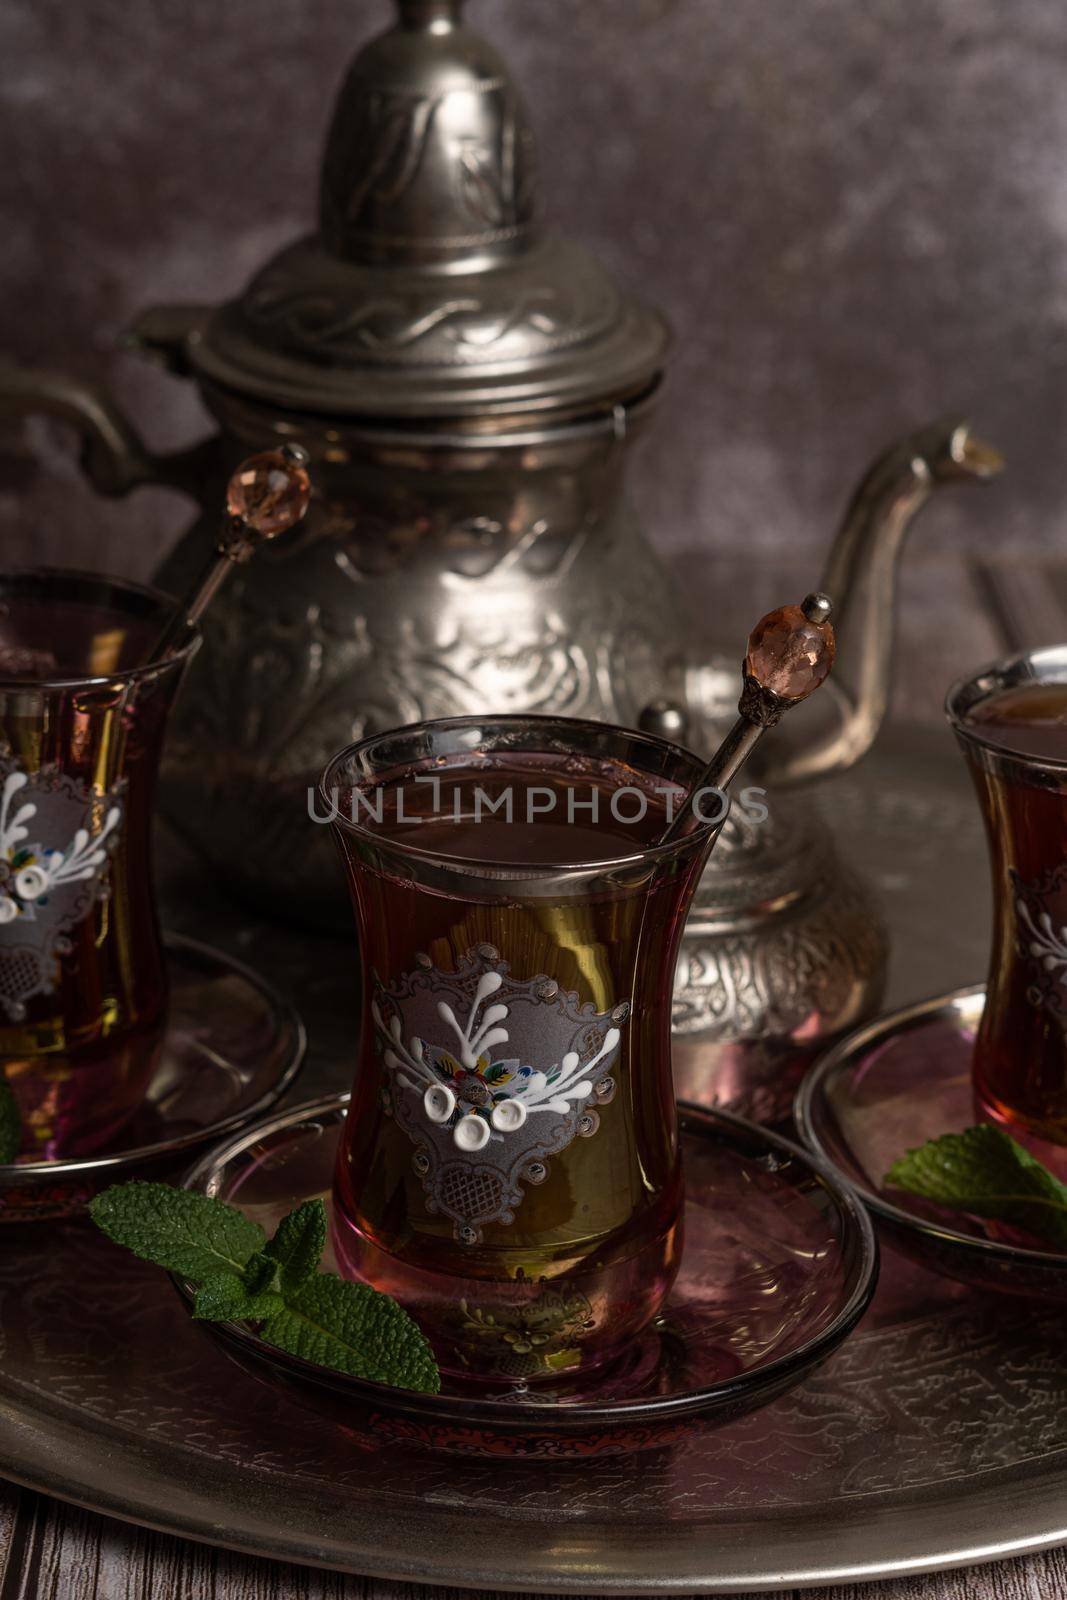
(353,1328)
(346,1326)
(221,1298)
(261,1274)
(984,1172)
(297,1245)
(10,1125)
(224,1298)
(193,1234)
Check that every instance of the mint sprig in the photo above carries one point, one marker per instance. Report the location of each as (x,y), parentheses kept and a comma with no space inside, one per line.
(10,1124)
(241,1275)
(985,1173)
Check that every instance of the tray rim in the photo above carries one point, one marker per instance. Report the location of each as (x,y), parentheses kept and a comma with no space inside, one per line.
(32,1174)
(726,1559)
(572,1419)
(887,1025)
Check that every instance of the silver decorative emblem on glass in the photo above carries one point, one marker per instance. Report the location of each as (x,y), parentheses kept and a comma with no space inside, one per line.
(1041,913)
(489,1076)
(56,838)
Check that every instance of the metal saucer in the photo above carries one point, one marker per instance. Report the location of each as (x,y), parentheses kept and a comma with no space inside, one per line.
(230,1048)
(889,1087)
(780,1263)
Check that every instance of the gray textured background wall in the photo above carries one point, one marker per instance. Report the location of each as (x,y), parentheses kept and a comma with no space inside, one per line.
(855,215)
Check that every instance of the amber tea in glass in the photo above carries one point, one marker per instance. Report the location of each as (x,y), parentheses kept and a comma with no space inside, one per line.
(1011,722)
(82,973)
(510,1163)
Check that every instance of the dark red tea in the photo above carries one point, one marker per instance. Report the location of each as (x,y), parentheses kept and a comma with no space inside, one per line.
(1030,720)
(1019,769)
(516,1241)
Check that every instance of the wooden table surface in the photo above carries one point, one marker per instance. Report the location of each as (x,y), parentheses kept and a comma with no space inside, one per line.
(52,1551)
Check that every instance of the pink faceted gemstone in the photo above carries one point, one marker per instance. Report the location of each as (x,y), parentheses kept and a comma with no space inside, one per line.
(269,492)
(788,654)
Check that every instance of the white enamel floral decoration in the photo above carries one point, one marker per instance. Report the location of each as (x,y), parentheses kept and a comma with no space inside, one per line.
(480,1096)
(1046,943)
(31,882)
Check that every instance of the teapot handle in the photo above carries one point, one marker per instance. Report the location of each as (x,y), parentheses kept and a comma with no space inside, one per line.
(114,457)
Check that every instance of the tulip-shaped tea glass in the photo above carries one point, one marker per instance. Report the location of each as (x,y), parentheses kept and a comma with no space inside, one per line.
(82,974)
(1011,722)
(510,1162)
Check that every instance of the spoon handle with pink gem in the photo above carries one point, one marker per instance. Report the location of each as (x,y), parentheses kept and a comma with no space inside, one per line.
(790,652)
(267,495)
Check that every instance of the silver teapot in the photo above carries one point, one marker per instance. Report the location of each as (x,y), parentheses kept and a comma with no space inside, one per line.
(468,385)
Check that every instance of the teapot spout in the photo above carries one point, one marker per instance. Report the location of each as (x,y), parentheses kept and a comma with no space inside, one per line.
(861,577)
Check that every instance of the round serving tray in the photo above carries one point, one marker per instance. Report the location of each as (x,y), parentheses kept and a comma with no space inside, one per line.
(935,1437)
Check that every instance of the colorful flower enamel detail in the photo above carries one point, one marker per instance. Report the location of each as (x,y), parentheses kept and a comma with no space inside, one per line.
(489,1075)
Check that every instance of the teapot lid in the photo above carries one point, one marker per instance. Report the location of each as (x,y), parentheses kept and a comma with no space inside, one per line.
(431,289)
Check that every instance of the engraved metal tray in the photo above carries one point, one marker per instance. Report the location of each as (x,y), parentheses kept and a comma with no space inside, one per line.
(936,1436)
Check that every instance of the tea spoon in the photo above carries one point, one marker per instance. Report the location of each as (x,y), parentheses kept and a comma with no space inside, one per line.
(267,495)
(790,653)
